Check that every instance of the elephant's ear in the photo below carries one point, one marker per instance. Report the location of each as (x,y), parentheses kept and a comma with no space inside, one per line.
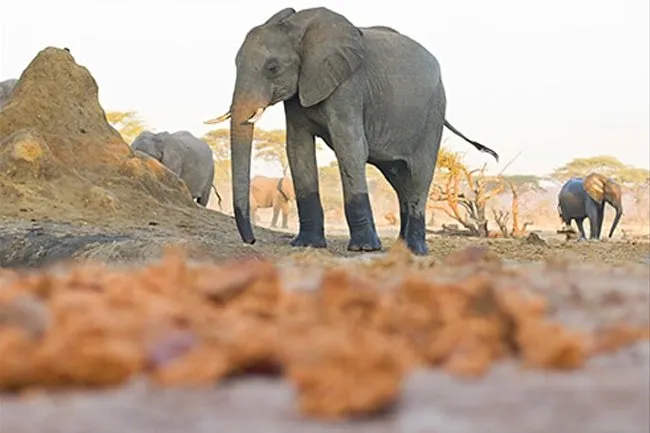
(281,15)
(331,50)
(613,191)
(595,186)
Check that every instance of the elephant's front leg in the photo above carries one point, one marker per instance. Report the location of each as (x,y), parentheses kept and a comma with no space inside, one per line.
(301,154)
(591,208)
(351,152)
(581,227)
(601,217)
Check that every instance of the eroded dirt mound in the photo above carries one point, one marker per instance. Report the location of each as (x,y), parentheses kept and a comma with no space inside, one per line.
(344,335)
(58,151)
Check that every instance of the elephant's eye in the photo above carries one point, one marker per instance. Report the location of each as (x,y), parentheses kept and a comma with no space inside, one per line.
(272,68)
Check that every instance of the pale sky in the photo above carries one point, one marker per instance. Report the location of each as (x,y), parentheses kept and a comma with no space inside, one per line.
(556,79)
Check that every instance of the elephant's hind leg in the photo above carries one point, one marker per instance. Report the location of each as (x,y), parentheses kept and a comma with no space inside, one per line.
(395,172)
(285,214)
(276,212)
(416,189)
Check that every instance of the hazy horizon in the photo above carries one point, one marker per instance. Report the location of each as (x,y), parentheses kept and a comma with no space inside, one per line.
(556,81)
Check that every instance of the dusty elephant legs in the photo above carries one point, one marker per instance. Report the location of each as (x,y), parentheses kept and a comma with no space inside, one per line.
(277,208)
(411,186)
(301,153)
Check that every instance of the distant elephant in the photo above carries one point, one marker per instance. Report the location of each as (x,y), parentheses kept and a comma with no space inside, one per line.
(6,89)
(585,198)
(190,158)
(372,94)
(275,192)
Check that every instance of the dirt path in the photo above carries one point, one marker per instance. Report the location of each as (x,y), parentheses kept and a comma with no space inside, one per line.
(214,236)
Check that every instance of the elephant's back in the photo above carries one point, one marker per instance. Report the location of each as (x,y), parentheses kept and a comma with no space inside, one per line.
(384,42)
(403,90)
(572,198)
(199,152)
(572,186)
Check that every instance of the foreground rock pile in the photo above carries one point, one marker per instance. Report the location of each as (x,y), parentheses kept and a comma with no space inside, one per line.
(344,335)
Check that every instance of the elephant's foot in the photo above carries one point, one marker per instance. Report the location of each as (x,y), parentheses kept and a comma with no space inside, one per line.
(363,236)
(309,239)
(416,236)
(364,241)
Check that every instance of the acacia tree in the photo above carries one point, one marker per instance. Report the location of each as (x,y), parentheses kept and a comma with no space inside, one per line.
(127,123)
(518,184)
(609,166)
(219,142)
(271,146)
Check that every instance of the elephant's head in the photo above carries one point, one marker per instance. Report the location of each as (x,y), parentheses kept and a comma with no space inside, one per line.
(602,189)
(307,54)
(149,143)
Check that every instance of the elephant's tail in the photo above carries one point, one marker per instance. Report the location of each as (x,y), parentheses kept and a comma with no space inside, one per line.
(279,186)
(476,144)
(218,196)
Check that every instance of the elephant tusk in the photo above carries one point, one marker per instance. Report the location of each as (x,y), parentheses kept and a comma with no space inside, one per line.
(255,117)
(218,119)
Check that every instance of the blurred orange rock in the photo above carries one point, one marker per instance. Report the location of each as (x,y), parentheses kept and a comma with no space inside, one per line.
(346,344)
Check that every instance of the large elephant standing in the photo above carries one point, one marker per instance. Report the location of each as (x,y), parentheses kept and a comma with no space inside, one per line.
(585,198)
(190,158)
(272,192)
(373,95)
(6,89)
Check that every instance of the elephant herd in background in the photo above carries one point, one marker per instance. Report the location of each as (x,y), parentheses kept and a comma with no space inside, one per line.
(373,95)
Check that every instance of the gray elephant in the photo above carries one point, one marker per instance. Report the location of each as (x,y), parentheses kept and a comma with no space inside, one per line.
(190,158)
(6,89)
(582,198)
(372,94)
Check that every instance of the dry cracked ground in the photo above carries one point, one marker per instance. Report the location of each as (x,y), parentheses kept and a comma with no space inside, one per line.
(71,190)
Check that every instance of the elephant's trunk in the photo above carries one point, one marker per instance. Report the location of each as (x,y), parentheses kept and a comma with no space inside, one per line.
(245,112)
(619,213)
(241,139)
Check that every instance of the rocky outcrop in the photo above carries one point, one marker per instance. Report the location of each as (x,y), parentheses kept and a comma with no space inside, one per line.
(57,147)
